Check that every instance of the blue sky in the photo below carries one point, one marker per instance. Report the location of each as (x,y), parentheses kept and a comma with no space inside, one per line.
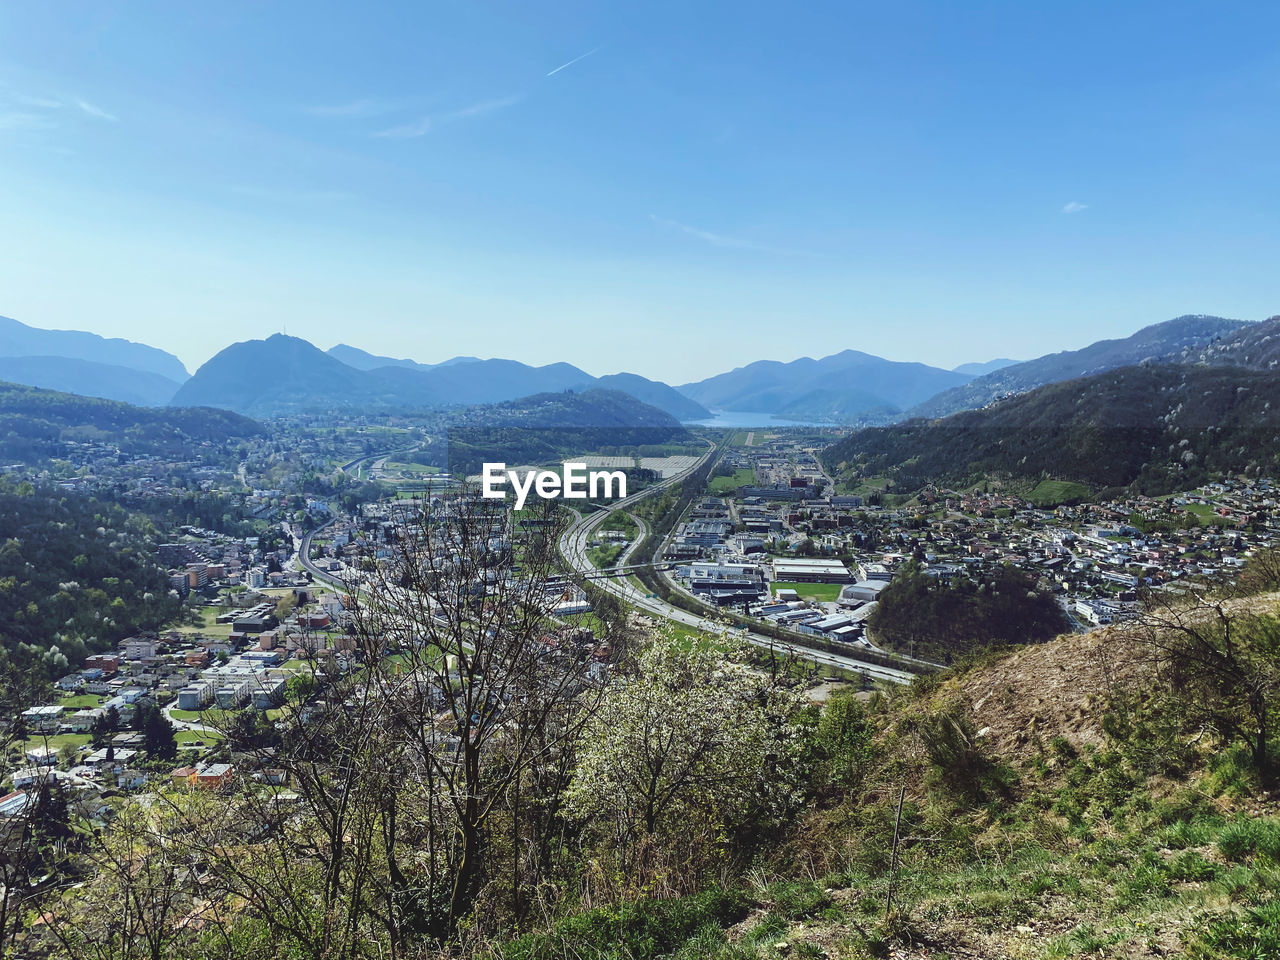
(708,184)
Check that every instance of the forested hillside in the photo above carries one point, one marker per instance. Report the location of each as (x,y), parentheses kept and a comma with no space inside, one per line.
(75,573)
(1154,428)
(941,620)
(37,424)
(1171,340)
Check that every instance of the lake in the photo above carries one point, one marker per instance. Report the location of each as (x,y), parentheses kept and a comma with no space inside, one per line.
(734,419)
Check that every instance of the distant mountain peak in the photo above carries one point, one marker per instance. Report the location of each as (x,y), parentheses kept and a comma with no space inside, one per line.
(847,386)
(989,366)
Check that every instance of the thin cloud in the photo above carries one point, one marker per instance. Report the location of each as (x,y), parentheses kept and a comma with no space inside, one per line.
(572,62)
(355,108)
(420,128)
(295,197)
(93,111)
(42,103)
(1074,207)
(18,120)
(485,106)
(406,131)
(724,240)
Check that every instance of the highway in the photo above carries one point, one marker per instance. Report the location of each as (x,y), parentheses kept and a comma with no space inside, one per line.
(574,547)
(304,558)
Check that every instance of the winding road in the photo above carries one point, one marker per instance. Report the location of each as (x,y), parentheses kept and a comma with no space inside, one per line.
(574,543)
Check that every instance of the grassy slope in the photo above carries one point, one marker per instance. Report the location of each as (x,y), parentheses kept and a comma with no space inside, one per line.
(1062,834)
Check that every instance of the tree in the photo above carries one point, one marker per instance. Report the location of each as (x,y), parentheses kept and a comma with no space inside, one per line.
(418,778)
(136,889)
(692,738)
(104,727)
(1220,657)
(158,737)
(285,606)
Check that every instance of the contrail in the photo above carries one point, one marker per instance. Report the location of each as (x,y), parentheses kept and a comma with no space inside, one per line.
(572,62)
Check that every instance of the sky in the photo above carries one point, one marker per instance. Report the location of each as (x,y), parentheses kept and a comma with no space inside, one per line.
(672,189)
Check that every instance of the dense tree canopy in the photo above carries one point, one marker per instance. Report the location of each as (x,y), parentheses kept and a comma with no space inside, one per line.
(932,618)
(75,572)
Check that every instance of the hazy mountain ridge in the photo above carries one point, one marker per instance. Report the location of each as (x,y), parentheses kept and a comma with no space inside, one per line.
(364,360)
(20,340)
(281,374)
(1167,341)
(105,380)
(845,385)
(533,379)
(655,393)
(287,374)
(1153,428)
(990,366)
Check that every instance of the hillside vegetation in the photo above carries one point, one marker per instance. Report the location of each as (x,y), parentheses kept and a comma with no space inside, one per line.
(1168,341)
(1153,429)
(37,424)
(940,620)
(76,574)
(1099,795)
(1057,800)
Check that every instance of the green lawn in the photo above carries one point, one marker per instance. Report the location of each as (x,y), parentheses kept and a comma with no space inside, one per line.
(1051,493)
(813,591)
(1205,513)
(56,741)
(741,478)
(690,637)
(80,701)
(191,736)
(208,627)
(212,715)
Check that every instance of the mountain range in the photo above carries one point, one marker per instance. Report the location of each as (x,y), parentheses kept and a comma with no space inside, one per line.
(843,387)
(1171,340)
(85,363)
(1152,427)
(281,375)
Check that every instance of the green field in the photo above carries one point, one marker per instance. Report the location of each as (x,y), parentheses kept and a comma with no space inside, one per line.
(809,591)
(741,478)
(411,470)
(191,736)
(56,741)
(80,701)
(620,520)
(603,557)
(1052,493)
(1204,513)
(208,627)
(690,637)
(862,487)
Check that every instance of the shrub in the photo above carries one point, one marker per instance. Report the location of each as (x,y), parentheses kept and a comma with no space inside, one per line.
(646,929)
(1253,933)
(1242,839)
(797,901)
